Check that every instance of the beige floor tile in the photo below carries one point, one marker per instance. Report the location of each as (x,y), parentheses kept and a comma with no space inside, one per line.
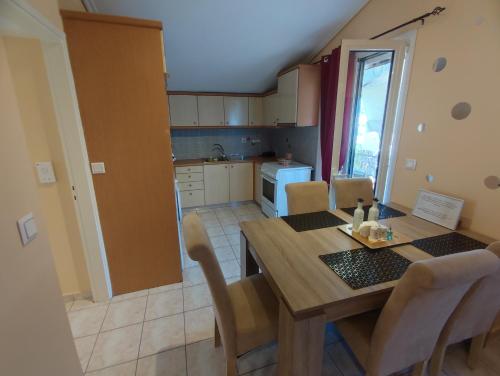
(230,268)
(231,229)
(455,362)
(162,334)
(130,295)
(224,253)
(199,324)
(226,214)
(232,280)
(234,239)
(236,252)
(173,286)
(188,263)
(88,321)
(193,276)
(68,305)
(208,223)
(232,220)
(207,216)
(115,347)
(197,297)
(219,241)
(215,231)
(266,371)
(125,369)
(84,347)
(203,359)
(258,358)
(85,303)
(165,304)
(171,363)
(126,312)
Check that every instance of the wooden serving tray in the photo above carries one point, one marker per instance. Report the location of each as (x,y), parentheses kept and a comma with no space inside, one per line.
(397,238)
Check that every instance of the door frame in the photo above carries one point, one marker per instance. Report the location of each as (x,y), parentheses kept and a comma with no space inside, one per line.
(402,46)
(19,19)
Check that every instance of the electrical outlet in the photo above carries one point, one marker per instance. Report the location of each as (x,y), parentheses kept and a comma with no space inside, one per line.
(243,140)
(411,164)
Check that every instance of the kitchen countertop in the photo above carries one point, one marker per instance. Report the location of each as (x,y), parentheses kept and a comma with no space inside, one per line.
(196,162)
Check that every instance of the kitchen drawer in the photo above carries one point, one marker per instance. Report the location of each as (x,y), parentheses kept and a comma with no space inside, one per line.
(191,186)
(192,198)
(195,176)
(188,169)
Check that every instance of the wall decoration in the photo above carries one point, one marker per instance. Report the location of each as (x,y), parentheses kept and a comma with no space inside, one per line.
(461,111)
(439,64)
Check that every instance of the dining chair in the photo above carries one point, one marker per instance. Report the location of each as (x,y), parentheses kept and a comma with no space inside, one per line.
(246,311)
(307,197)
(405,331)
(472,318)
(347,191)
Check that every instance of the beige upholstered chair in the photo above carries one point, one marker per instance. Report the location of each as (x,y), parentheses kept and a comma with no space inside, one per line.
(347,192)
(405,331)
(246,312)
(308,197)
(473,318)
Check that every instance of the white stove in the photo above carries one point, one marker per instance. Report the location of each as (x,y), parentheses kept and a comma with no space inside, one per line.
(275,177)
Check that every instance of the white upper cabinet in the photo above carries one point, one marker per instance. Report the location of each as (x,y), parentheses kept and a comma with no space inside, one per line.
(183,110)
(270,105)
(211,110)
(255,111)
(236,111)
(288,85)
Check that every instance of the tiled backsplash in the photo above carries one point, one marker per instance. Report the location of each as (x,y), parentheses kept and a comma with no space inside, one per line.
(198,143)
(188,144)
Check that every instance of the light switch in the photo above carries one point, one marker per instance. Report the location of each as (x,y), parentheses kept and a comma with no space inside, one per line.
(27,228)
(45,172)
(411,164)
(98,168)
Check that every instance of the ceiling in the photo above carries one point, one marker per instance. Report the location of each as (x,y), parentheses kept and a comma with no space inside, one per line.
(236,45)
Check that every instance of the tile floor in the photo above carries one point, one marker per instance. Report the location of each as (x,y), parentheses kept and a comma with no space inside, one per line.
(168,330)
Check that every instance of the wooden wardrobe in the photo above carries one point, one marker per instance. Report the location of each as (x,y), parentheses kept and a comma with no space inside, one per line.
(118,67)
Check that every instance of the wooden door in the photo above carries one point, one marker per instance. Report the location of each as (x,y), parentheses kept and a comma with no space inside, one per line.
(241,182)
(236,111)
(255,111)
(183,110)
(216,180)
(117,64)
(211,110)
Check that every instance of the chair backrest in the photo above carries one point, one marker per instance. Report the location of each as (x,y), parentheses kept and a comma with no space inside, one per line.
(347,192)
(476,312)
(308,197)
(412,319)
(199,248)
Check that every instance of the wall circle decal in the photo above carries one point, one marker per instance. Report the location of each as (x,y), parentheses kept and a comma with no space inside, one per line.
(421,127)
(492,182)
(439,64)
(429,178)
(461,110)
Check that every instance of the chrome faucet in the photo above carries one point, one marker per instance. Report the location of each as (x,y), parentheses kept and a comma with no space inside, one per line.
(218,148)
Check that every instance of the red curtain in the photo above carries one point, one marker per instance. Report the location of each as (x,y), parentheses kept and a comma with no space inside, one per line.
(329,81)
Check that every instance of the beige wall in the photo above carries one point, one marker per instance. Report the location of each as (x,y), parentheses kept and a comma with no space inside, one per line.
(35,335)
(49,9)
(72,5)
(459,154)
(44,144)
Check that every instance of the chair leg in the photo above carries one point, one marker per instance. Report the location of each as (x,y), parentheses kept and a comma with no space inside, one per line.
(231,368)
(475,351)
(419,369)
(437,360)
(217,341)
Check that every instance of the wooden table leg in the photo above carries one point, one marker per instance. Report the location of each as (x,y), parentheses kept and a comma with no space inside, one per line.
(248,264)
(300,344)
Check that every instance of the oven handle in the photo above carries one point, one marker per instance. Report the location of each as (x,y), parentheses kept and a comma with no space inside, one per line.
(269,178)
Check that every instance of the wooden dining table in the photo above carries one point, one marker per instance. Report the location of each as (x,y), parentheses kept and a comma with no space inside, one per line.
(309,293)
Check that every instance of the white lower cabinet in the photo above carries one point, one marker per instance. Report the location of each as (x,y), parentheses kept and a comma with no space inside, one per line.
(257,181)
(192,198)
(216,180)
(241,182)
(191,185)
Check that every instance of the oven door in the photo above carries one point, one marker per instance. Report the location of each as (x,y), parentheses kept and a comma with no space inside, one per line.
(269,191)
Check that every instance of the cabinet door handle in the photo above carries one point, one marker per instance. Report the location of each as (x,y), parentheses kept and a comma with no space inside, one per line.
(194,122)
(221,123)
(225,167)
(190,193)
(189,176)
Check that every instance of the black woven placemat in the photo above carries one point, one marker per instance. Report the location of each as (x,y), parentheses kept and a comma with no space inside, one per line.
(313,221)
(365,267)
(448,244)
(384,212)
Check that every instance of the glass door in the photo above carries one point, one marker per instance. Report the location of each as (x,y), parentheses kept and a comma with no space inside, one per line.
(370,77)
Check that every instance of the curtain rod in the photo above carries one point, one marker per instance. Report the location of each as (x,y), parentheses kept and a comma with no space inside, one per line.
(435,12)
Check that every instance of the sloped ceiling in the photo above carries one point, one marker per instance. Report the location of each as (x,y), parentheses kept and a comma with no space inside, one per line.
(236,45)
